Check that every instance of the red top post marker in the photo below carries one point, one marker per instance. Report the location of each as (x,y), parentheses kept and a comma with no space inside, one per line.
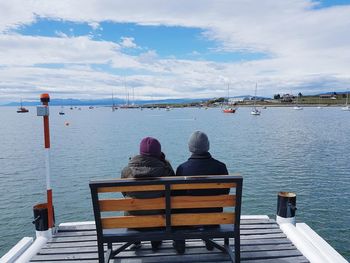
(45,99)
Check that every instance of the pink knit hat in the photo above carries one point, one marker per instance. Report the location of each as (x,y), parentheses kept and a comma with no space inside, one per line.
(151,147)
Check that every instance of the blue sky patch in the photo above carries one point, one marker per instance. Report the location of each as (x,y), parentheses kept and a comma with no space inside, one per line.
(330,3)
(167,42)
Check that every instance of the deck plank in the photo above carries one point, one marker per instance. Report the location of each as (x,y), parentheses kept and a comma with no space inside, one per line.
(166,247)
(243,232)
(87,227)
(261,242)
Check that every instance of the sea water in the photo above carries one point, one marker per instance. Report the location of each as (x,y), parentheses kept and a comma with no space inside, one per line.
(306,152)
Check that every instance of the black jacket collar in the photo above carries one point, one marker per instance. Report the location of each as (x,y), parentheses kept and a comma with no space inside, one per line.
(200,156)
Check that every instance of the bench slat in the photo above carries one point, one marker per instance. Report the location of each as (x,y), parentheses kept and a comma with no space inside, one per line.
(137,188)
(133,221)
(159,220)
(202,186)
(202,219)
(130,204)
(141,188)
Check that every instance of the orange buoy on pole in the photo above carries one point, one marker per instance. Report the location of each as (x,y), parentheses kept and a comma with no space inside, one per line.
(44,111)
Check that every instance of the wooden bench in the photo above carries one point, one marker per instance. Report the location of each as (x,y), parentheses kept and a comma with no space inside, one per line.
(122,229)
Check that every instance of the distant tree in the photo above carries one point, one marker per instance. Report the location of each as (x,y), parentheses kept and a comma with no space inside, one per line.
(300,95)
(220,100)
(277,96)
(334,93)
(344,95)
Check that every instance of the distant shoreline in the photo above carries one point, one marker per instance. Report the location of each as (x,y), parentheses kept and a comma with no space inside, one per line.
(198,106)
(291,105)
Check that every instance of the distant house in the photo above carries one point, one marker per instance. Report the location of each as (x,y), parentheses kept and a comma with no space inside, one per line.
(287,98)
(328,96)
(234,100)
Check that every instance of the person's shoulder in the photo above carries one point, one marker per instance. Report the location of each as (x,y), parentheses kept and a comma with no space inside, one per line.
(180,168)
(184,164)
(219,162)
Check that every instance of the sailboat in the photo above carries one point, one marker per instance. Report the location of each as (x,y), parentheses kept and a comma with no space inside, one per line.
(227,108)
(61,112)
(22,109)
(113,105)
(319,103)
(91,107)
(255,111)
(297,107)
(346,107)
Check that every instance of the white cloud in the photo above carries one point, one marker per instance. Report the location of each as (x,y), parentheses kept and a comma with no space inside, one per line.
(60,34)
(305,47)
(128,42)
(29,50)
(94,25)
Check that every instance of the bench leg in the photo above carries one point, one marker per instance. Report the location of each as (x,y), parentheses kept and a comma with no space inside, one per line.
(216,245)
(226,249)
(120,249)
(229,250)
(108,254)
(101,253)
(238,249)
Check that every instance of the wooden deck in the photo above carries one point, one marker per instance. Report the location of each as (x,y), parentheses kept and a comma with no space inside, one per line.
(262,241)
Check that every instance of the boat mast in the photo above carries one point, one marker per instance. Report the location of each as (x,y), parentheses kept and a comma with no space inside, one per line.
(228,93)
(113,106)
(256,87)
(347,98)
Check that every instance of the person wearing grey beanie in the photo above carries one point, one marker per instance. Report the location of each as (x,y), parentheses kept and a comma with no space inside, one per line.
(200,163)
(198,143)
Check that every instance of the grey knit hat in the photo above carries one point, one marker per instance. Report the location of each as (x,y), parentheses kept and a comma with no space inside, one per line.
(198,143)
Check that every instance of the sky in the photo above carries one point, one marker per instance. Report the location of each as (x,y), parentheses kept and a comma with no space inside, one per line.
(156,49)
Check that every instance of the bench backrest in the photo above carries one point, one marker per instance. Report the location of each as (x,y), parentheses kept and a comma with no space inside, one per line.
(167,203)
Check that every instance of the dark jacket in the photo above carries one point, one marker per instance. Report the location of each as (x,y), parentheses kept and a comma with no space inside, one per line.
(142,167)
(203,164)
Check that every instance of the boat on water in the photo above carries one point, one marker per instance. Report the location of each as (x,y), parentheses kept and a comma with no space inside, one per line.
(255,111)
(228,108)
(114,107)
(297,106)
(346,107)
(22,109)
(61,112)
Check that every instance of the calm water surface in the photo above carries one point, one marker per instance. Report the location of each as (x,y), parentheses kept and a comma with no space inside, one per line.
(306,152)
